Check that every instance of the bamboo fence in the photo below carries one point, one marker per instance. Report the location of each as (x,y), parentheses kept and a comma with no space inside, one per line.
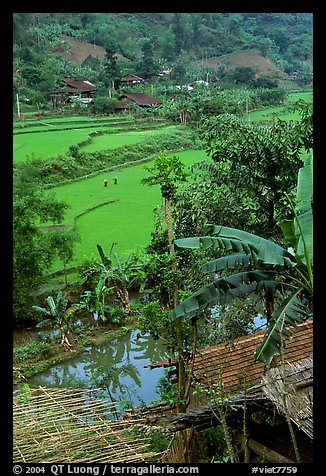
(74,425)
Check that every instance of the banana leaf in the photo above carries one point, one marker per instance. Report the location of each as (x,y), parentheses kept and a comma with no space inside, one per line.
(299,231)
(231,261)
(291,312)
(221,291)
(303,212)
(232,239)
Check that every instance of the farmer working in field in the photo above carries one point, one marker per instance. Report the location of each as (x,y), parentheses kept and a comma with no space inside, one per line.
(105,183)
(115,180)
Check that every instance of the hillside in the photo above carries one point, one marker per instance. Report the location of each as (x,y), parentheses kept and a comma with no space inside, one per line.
(253,59)
(248,58)
(77,51)
(48,46)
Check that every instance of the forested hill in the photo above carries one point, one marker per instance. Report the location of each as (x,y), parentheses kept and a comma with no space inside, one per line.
(184,41)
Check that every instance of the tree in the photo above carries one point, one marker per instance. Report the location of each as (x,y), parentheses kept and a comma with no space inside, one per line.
(260,159)
(111,73)
(177,30)
(147,67)
(57,315)
(109,278)
(103,105)
(34,248)
(269,260)
(167,171)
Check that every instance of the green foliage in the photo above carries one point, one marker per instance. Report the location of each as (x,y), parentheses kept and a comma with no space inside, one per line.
(26,394)
(166,171)
(103,105)
(56,315)
(258,163)
(35,249)
(147,67)
(112,277)
(210,446)
(160,278)
(223,290)
(168,390)
(33,348)
(253,250)
(155,321)
(216,396)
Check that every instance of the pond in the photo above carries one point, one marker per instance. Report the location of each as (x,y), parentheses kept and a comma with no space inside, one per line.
(119,364)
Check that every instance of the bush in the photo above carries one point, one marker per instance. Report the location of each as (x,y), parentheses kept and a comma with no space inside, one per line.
(103,105)
(31,349)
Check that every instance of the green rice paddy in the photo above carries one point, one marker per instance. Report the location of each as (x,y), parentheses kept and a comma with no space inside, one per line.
(128,221)
(121,213)
(268,114)
(103,142)
(53,136)
(43,145)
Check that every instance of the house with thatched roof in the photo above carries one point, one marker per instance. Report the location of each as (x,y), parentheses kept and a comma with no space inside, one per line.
(140,99)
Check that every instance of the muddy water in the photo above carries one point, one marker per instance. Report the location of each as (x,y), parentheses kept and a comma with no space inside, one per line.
(120,361)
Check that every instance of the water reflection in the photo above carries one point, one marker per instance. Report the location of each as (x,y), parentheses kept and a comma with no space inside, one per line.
(121,361)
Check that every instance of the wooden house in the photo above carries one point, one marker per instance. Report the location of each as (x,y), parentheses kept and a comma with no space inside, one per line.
(131,79)
(140,99)
(286,387)
(268,398)
(84,90)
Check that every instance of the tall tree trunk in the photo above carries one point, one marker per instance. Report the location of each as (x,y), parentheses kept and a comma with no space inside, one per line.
(181,363)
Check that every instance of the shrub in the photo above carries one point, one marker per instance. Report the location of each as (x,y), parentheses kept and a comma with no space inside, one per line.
(31,349)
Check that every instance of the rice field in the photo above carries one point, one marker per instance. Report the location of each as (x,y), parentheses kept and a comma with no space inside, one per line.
(128,221)
(121,213)
(42,139)
(284,112)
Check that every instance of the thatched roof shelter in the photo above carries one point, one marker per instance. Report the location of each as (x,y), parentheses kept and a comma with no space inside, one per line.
(291,389)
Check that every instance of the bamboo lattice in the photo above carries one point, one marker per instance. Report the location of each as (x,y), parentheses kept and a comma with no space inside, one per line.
(71,425)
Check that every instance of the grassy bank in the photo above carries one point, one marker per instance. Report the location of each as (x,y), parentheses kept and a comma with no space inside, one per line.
(36,352)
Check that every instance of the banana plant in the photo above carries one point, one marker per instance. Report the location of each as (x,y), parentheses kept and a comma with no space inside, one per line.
(299,233)
(268,261)
(57,315)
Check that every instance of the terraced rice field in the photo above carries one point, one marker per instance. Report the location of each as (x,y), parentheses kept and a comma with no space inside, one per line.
(127,221)
(53,136)
(122,213)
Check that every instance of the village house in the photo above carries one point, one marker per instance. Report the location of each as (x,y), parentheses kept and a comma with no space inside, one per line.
(84,90)
(262,396)
(131,79)
(140,99)
(230,367)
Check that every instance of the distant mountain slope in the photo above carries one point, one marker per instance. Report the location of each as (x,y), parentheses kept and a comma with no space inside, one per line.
(78,50)
(253,59)
(246,58)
